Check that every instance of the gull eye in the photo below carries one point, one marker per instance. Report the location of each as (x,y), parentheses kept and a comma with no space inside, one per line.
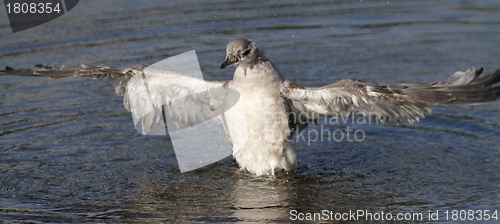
(246,52)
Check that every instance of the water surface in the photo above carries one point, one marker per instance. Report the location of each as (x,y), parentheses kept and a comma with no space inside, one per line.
(69,151)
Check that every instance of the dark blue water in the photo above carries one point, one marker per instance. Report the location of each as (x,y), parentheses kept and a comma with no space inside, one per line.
(69,151)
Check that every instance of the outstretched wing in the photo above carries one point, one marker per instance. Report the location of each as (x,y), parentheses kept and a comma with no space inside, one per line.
(152,94)
(118,77)
(406,100)
(185,100)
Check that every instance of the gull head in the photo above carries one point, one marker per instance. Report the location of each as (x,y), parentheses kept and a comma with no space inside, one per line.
(240,51)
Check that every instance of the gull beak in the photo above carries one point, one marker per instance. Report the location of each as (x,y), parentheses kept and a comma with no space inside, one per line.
(226,63)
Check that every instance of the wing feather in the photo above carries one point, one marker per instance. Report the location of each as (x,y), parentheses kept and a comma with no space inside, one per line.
(187,100)
(408,101)
(150,92)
